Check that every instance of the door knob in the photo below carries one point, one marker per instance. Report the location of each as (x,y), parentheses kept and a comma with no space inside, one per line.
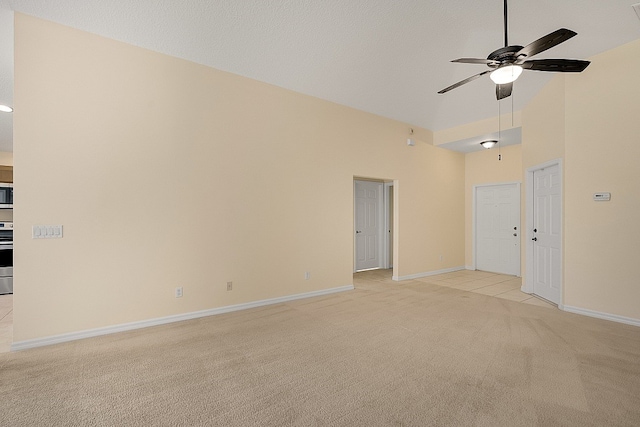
(535,239)
(515,228)
(535,230)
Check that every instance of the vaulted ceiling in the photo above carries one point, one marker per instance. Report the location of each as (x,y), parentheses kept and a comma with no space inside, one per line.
(388,57)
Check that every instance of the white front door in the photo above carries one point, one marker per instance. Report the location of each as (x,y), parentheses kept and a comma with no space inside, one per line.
(369,224)
(498,228)
(547,235)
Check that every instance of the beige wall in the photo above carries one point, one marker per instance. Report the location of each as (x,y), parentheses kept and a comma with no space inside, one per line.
(590,121)
(483,167)
(602,154)
(175,174)
(543,125)
(481,127)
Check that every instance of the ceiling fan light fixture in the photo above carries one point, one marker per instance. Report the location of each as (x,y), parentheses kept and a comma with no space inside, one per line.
(489,143)
(504,75)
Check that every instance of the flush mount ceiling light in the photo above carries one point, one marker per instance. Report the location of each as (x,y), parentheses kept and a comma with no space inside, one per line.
(504,75)
(489,143)
(5,108)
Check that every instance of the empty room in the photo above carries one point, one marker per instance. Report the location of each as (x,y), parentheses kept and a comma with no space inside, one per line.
(352,213)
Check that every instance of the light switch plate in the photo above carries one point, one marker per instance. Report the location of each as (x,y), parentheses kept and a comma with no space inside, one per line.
(46,232)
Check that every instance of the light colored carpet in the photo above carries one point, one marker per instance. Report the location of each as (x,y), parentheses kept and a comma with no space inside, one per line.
(386,354)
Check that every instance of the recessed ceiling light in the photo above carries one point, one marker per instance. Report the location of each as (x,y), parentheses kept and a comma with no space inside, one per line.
(5,108)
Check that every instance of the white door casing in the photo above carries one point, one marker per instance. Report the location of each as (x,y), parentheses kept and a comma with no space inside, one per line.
(544,246)
(497,228)
(388,229)
(547,234)
(368,224)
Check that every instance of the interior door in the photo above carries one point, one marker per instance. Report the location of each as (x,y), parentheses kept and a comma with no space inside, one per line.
(369,224)
(547,235)
(498,228)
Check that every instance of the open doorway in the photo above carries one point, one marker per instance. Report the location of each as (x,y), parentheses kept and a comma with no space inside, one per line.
(6,252)
(373,224)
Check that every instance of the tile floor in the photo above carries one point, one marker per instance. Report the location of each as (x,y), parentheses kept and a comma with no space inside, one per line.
(480,282)
(492,284)
(6,322)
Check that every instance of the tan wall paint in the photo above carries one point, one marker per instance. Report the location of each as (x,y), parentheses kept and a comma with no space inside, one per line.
(175,174)
(602,154)
(590,122)
(543,125)
(482,127)
(483,167)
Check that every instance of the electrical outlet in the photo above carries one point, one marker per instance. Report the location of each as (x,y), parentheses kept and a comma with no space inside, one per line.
(229,286)
(307,275)
(179,292)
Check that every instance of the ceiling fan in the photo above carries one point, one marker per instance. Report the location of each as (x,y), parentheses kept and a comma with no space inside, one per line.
(506,64)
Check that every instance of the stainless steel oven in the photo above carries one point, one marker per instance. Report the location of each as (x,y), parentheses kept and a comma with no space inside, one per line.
(6,257)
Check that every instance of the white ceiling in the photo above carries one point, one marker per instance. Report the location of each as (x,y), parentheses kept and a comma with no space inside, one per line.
(388,57)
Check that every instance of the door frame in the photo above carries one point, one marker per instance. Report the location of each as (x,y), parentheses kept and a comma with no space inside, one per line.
(528,279)
(474,219)
(385,223)
(388,226)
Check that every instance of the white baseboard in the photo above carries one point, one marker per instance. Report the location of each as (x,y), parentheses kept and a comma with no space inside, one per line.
(599,315)
(72,336)
(426,274)
(470,267)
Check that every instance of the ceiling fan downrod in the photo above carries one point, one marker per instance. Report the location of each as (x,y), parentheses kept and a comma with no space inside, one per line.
(506,38)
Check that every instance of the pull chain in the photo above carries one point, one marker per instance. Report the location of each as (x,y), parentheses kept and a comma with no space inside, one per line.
(499,131)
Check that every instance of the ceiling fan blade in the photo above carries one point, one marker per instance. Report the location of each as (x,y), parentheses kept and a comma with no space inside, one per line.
(476,61)
(557,65)
(546,42)
(460,83)
(504,91)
